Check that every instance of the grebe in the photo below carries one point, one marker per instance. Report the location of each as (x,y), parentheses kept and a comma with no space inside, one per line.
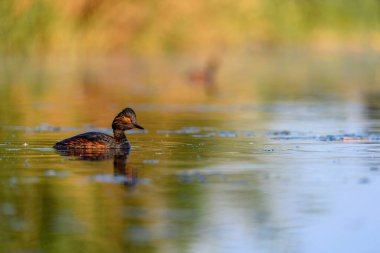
(125,120)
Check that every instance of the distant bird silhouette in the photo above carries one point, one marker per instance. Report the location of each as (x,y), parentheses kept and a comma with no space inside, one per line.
(205,76)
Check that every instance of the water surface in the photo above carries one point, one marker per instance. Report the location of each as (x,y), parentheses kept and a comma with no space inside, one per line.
(281,177)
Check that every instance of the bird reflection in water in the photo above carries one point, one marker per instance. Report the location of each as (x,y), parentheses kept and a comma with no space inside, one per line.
(123,172)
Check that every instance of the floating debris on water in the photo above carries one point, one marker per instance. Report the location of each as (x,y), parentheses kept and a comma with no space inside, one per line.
(330,138)
(282,133)
(352,139)
(348,137)
(288,135)
(25,144)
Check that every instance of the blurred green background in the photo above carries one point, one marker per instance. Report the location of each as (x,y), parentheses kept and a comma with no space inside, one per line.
(175,51)
(141,27)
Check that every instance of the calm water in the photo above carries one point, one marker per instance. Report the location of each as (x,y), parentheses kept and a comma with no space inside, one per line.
(207,176)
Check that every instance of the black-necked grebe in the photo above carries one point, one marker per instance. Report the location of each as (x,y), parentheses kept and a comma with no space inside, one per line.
(125,120)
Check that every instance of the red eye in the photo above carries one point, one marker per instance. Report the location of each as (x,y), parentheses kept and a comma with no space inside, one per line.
(127,120)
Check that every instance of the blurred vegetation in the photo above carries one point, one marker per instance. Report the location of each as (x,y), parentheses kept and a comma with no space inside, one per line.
(106,27)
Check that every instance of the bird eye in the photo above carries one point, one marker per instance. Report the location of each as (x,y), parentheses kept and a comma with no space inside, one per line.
(127,120)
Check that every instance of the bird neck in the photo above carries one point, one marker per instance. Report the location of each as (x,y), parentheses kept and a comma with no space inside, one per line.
(119,135)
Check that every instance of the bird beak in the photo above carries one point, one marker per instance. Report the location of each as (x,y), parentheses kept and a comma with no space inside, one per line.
(137,126)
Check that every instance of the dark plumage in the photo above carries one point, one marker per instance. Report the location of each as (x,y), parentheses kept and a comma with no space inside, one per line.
(125,120)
